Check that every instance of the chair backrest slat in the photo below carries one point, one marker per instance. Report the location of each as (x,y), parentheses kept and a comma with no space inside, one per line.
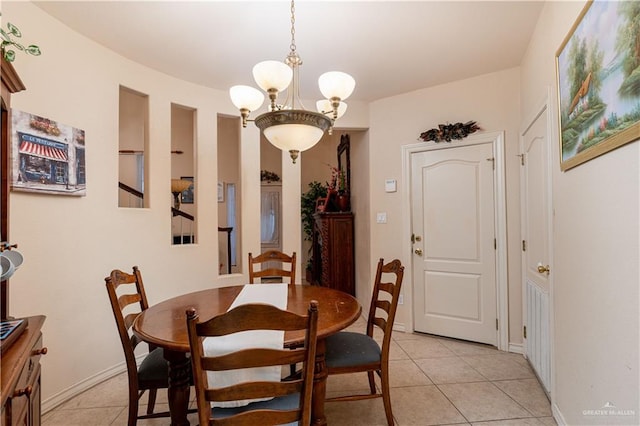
(131,293)
(244,318)
(269,270)
(392,269)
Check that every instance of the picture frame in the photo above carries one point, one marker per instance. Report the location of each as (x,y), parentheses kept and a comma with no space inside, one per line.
(598,84)
(221,192)
(47,156)
(187,194)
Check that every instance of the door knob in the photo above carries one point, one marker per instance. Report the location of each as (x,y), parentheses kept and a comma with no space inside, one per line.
(542,269)
(418,251)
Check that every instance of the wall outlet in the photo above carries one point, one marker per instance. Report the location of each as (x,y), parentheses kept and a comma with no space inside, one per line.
(400,300)
(381,217)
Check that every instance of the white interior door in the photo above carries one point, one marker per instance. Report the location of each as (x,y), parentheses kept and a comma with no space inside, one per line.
(453,221)
(536,231)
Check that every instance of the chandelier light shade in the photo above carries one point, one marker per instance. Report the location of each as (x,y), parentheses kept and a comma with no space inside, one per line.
(272,75)
(246,97)
(336,84)
(289,126)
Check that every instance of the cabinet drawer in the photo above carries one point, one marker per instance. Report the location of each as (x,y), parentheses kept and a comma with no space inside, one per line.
(28,379)
(27,374)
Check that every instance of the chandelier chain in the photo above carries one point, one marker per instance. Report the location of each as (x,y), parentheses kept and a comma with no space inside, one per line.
(292,46)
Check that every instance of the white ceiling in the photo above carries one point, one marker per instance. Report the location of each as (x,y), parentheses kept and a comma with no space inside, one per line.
(390,47)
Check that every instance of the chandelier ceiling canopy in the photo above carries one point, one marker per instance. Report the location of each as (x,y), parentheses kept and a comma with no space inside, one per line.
(289,126)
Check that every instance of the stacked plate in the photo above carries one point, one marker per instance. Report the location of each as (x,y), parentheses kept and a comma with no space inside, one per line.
(10,260)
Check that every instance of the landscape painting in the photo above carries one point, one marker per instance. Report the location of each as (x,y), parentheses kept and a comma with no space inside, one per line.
(598,76)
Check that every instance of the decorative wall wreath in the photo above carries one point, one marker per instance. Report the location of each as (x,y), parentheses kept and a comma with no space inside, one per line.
(447,132)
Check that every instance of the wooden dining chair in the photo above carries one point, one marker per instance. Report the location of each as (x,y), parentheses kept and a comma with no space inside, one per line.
(125,292)
(350,352)
(268,270)
(291,400)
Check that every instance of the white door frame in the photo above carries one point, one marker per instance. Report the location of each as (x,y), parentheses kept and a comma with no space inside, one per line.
(497,140)
(544,106)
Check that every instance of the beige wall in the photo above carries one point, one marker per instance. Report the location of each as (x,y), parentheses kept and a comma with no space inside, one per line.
(71,243)
(595,265)
(492,101)
(596,210)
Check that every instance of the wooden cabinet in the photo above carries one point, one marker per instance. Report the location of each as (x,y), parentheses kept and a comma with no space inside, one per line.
(333,251)
(19,361)
(21,396)
(11,83)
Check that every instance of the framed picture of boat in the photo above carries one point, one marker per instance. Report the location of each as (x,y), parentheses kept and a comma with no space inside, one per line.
(598,82)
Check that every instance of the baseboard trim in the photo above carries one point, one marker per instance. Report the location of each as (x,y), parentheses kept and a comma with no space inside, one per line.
(557,415)
(74,390)
(516,348)
(399,327)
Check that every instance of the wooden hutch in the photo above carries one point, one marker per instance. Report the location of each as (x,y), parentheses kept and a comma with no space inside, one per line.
(333,251)
(22,349)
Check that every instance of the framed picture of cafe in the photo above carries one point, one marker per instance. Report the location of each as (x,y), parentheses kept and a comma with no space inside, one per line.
(47,156)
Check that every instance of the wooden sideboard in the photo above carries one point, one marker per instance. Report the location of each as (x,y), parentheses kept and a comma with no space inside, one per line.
(334,251)
(20,365)
(20,360)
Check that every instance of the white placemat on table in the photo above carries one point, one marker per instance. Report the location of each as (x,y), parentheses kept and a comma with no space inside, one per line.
(272,294)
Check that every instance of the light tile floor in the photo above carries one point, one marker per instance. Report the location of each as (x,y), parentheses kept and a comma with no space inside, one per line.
(434,381)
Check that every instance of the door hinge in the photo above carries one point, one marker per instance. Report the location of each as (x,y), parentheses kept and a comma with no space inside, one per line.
(524,331)
(493,163)
(521,159)
(524,245)
(496,323)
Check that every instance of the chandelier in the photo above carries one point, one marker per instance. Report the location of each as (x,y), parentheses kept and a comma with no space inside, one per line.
(289,126)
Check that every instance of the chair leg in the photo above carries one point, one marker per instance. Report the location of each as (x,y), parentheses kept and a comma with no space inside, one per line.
(152,400)
(133,407)
(386,396)
(372,382)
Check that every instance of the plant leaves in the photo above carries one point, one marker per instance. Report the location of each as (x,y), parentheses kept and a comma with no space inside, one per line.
(9,55)
(33,50)
(17,45)
(13,29)
(4,35)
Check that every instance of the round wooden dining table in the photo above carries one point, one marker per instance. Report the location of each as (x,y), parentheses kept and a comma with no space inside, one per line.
(164,325)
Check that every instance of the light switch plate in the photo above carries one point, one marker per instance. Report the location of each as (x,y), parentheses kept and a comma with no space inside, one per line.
(390,185)
(381,217)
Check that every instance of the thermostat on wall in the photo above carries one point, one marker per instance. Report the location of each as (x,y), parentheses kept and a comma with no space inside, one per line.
(390,185)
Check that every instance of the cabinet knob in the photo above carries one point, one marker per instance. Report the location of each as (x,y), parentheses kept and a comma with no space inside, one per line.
(25,391)
(40,351)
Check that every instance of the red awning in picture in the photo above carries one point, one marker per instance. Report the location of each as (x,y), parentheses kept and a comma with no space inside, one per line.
(43,151)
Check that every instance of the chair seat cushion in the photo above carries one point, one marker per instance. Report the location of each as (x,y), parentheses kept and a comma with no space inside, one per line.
(347,349)
(153,370)
(286,402)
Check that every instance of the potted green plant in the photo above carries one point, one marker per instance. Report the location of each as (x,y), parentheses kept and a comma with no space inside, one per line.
(307,210)
(9,44)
